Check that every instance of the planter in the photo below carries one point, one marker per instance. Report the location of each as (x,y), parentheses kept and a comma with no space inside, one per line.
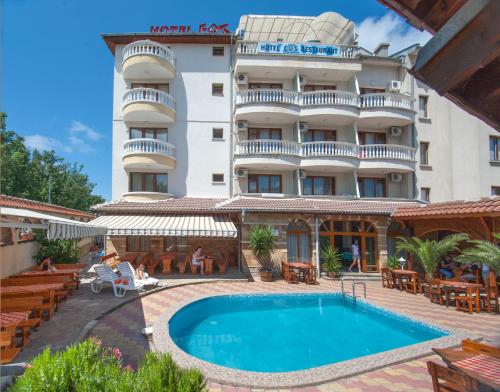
(332,274)
(266,276)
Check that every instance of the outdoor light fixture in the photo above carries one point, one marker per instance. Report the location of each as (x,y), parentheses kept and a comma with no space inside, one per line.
(402,261)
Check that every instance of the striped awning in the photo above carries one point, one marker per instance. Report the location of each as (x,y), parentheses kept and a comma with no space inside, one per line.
(168,225)
(57,227)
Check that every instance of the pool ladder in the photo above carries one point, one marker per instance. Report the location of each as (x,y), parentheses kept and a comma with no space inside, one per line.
(354,283)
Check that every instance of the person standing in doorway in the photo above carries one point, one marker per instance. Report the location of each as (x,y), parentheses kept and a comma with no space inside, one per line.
(355,256)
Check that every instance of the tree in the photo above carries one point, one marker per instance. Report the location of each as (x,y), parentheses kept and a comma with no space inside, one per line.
(263,244)
(430,252)
(484,252)
(25,173)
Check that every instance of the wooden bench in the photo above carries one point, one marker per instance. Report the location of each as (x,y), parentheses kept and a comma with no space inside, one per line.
(21,304)
(68,282)
(48,296)
(7,350)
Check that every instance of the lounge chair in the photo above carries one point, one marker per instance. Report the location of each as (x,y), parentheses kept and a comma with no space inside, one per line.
(106,275)
(127,271)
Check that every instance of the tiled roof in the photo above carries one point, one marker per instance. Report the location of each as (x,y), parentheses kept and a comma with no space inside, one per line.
(486,206)
(17,202)
(185,204)
(298,204)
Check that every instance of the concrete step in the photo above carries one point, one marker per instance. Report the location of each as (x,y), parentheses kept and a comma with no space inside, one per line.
(361,276)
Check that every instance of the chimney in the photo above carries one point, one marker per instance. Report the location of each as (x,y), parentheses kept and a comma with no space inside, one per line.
(382,49)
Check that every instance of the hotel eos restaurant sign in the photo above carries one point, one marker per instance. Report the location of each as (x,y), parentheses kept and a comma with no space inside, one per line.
(214,28)
(298,49)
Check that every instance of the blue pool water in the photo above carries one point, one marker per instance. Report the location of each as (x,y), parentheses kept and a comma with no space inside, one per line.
(280,333)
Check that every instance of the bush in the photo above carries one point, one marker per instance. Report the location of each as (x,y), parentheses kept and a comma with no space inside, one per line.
(393,262)
(59,251)
(89,367)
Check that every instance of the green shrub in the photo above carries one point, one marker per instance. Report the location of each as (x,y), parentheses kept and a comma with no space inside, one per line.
(88,367)
(59,251)
(393,262)
(331,259)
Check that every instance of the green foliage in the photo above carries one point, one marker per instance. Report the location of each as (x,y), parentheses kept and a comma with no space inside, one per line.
(483,252)
(430,252)
(393,262)
(88,367)
(263,244)
(59,251)
(331,259)
(25,173)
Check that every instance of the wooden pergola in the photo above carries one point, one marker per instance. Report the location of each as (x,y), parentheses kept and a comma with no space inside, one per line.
(479,218)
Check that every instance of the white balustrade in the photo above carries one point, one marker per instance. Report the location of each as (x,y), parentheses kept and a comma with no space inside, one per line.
(252,47)
(390,100)
(148,47)
(267,96)
(149,146)
(386,151)
(329,149)
(149,95)
(267,147)
(329,97)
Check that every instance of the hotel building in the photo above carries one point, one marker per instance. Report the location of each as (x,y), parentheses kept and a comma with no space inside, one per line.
(288,122)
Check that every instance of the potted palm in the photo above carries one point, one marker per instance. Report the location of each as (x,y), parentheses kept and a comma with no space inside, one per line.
(393,262)
(484,252)
(331,261)
(263,244)
(430,252)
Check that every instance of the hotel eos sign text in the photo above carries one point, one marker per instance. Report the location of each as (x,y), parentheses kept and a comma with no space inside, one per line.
(213,28)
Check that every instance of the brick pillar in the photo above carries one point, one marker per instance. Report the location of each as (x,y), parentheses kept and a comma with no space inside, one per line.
(382,244)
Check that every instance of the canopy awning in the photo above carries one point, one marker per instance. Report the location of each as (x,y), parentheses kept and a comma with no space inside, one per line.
(169,225)
(57,227)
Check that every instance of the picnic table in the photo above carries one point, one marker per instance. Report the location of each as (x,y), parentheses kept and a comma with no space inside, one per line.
(482,367)
(11,320)
(31,288)
(468,288)
(303,268)
(399,274)
(65,272)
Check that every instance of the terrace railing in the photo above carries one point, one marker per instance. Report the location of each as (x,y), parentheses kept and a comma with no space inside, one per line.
(329,97)
(148,47)
(386,100)
(267,96)
(267,147)
(148,146)
(149,95)
(386,151)
(329,149)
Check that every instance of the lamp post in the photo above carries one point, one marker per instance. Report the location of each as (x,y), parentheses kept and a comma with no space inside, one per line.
(402,261)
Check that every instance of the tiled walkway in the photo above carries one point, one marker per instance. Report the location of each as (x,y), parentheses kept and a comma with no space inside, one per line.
(122,328)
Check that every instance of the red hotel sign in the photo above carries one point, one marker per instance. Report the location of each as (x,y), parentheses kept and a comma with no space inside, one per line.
(202,28)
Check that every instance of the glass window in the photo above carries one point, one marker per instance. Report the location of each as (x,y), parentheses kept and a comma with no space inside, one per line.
(317,185)
(162,183)
(256,86)
(157,86)
(135,182)
(371,187)
(424,153)
(137,244)
(298,242)
(425,194)
(252,184)
(263,183)
(494,147)
(162,135)
(217,89)
(148,182)
(217,133)
(319,135)
(264,134)
(495,191)
(149,133)
(135,133)
(216,177)
(6,236)
(422,106)
(307,186)
(218,51)
(318,87)
(372,138)
(275,184)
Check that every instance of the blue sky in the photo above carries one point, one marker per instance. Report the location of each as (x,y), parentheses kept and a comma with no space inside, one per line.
(57,72)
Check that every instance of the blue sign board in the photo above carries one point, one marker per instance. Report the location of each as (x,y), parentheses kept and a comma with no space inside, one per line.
(298,49)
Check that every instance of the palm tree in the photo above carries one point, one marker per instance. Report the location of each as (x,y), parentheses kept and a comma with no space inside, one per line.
(484,252)
(430,252)
(263,244)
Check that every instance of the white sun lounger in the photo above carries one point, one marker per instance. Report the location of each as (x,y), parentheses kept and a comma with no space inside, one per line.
(127,271)
(105,275)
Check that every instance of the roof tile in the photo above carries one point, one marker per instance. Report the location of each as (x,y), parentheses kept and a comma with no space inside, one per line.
(490,205)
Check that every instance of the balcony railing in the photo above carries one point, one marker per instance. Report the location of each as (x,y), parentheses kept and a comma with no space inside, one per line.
(267,147)
(329,97)
(252,47)
(387,100)
(148,146)
(267,96)
(324,149)
(148,95)
(147,47)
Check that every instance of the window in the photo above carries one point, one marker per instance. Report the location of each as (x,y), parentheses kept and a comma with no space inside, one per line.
(137,244)
(148,182)
(319,135)
(272,86)
(264,134)
(175,244)
(371,187)
(372,138)
(323,186)
(371,90)
(298,241)
(157,86)
(318,87)
(494,147)
(264,183)
(218,51)
(424,153)
(6,236)
(149,133)
(495,191)
(217,133)
(217,177)
(425,194)
(217,89)
(422,106)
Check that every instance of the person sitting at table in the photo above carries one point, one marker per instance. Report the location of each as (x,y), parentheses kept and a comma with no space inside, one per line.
(198,258)
(46,264)
(446,267)
(471,275)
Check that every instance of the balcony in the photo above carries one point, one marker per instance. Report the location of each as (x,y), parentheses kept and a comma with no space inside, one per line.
(324,155)
(148,155)
(148,60)
(330,106)
(386,158)
(147,105)
(274,105)
(267,154)
(385,109)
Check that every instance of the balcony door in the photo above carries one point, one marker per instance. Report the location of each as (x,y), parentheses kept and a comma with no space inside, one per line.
(367,138)
(264,134)
(267,86)
(149,133)
(165,87)
(318,87)
(319,135)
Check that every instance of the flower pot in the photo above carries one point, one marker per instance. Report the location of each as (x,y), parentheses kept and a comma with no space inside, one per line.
(266,276)
(332,274)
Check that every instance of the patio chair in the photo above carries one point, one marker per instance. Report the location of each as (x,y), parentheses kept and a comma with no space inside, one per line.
(310,275)
(127,271)
(480,348)
(182,263)
(489,294)
(287,273)
(448,380)
(387,279)
(8,351)
(436,291)
(106,275)
(222,263)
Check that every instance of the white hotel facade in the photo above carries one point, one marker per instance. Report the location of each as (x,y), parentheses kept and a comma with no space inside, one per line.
(322,144)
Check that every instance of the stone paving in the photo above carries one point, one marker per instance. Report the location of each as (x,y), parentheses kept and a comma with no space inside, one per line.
(122,328)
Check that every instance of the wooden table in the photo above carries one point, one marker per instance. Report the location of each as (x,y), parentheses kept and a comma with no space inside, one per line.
(166,261)
(209,261)
(11,320)
(66,272)
(468,288)
(399,274)
(302,267)
(482,367)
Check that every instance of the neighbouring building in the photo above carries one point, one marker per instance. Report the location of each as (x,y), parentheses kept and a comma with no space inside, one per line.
(289,123)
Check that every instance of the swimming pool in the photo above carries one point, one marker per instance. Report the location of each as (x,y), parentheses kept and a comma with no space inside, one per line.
(290,332)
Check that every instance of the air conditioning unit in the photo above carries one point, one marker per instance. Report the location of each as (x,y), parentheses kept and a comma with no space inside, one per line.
(302,174)
(395,131)
(242,126)
(241,173)
(303,127)
(395,86)
(242,79)
(302,80)
(396,177)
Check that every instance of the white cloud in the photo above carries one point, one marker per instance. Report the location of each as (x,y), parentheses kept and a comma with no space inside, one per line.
(43,143)
(392,29)
(77,127)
